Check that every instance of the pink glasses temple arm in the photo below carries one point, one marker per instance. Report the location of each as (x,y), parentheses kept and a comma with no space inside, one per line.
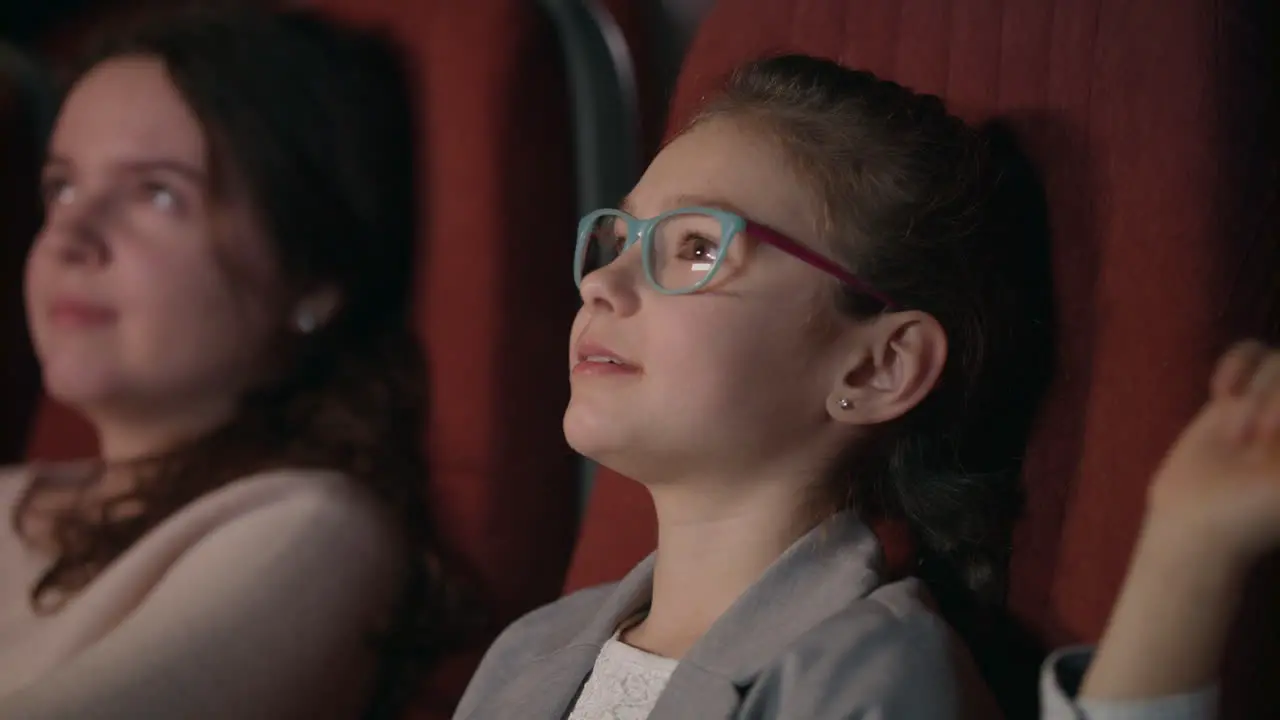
(805,254)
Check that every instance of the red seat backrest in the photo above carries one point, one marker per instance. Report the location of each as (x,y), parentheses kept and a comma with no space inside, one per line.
(1154,127)
(497,209)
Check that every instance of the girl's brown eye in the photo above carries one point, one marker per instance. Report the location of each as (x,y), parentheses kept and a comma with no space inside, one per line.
(698,248)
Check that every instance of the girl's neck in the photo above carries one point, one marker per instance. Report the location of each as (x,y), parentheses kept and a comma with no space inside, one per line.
(711,548)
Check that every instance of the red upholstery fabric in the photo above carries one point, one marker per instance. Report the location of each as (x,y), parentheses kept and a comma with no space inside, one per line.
(1154,127)
(617,531)
(57,433)
(498,217)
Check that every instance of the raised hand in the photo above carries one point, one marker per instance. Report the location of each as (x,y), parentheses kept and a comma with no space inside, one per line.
(1220,482)
(1213,510)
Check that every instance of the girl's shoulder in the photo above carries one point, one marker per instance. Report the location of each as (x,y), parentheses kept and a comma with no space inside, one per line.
(887,653)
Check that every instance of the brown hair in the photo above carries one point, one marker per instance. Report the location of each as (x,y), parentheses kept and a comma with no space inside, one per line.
(945,219)
(314,123)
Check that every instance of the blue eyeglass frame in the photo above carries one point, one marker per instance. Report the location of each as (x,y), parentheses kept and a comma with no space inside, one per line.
(731,225)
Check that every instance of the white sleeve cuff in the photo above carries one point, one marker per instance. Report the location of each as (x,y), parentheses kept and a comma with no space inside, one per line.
(1060,680)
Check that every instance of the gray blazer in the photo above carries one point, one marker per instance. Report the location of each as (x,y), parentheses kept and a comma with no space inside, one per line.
(820,636)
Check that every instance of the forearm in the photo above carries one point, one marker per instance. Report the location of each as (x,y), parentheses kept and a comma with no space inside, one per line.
(1168,629)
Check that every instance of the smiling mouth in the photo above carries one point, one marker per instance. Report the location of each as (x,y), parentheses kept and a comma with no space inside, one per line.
(81,315)
(597,364)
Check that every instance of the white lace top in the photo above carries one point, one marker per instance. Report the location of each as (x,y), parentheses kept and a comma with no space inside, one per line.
(624,685)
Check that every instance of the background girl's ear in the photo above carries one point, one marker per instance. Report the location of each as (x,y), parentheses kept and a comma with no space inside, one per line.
(316,309)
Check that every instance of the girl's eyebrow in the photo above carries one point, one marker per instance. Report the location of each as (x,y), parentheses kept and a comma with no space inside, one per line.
(143,164)
(711,202)
(627,205)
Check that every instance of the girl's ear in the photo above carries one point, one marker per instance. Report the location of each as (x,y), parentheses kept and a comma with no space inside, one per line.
(890,373)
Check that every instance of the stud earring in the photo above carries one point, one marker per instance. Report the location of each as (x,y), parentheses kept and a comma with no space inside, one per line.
(845,403)
(305,322)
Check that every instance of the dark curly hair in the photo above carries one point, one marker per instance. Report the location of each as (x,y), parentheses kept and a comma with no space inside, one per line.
(313,122)
(950,220)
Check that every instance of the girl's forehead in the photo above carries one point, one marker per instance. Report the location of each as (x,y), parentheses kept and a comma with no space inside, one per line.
(727,164)
(128,106)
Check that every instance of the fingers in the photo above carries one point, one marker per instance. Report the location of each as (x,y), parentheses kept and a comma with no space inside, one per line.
(1240,420)
(1248,379)
(1266,375)
(1266,387)
(1236,369)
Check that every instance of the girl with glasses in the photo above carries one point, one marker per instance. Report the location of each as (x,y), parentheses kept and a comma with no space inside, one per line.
(809,319)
